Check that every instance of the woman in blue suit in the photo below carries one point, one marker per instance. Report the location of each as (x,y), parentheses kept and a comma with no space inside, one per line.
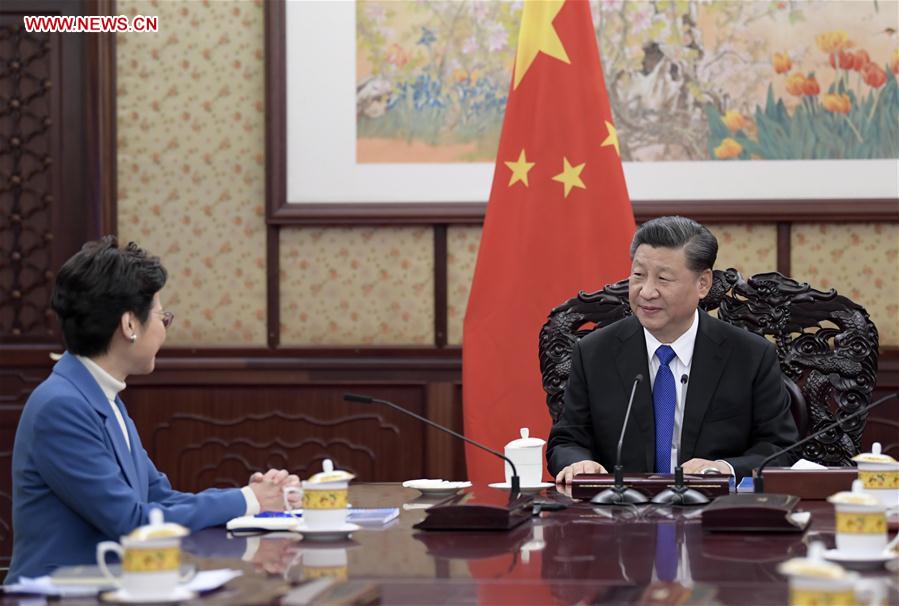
(80,473)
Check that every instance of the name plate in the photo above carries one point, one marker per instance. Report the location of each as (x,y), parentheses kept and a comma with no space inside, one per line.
(585,486)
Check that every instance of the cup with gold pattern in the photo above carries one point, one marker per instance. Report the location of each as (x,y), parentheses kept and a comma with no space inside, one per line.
(324,495)
(880,475)
(816,582)
(151,560)
(861,522)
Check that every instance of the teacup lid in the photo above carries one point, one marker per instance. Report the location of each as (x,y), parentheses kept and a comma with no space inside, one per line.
(813,565)
(329,474)
(856,496)
(158,529)
(525,441)
(875,456)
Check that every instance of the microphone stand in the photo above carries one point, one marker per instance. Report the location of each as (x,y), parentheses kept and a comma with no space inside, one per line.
(514,481)
(680,494)
(620,494)
(759,480)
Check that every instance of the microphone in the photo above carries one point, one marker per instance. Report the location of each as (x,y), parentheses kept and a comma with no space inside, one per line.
(619,494)
(759,480)
(684,378)
(514,480)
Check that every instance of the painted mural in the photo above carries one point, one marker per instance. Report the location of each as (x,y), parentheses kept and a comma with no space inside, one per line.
(687,79)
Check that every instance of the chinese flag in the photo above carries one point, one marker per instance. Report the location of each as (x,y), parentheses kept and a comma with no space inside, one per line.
(559,220)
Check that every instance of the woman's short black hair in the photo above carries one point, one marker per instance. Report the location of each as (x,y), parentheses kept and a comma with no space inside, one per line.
(699,244)
(99,284)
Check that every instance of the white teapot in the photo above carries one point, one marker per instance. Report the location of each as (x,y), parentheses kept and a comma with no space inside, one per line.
(527,455)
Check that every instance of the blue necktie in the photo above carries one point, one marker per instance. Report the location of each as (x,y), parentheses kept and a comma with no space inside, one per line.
(664,398)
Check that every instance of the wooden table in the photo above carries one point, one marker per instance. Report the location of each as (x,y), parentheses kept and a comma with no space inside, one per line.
(580,555)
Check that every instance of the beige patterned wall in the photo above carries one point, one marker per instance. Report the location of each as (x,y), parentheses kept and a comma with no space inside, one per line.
(357,285)
(860,260)
(749,248)
(191,162)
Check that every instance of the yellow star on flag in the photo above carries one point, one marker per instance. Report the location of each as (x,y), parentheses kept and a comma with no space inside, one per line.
(520,169)
(537,34)
(612,139)
(570,176)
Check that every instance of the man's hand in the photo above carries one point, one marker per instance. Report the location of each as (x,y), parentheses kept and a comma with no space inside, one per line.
(565,476)
(269,489)
(702,465)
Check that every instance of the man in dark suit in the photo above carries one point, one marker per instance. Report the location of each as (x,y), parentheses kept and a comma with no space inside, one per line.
(712,398)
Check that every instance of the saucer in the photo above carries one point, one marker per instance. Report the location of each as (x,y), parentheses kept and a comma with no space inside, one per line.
(435,487)
(857,560)
(120,596)
(340,533)
(534,488)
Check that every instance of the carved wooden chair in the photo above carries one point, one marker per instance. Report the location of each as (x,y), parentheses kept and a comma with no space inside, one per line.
(826,346)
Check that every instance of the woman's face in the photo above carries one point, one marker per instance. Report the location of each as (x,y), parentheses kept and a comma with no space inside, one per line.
(150,337)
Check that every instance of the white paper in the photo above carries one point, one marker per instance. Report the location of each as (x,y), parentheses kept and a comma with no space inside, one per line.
(806,464)
(206,580)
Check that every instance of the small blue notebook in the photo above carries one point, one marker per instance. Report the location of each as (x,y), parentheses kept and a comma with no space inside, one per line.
(746,485)
(281,520)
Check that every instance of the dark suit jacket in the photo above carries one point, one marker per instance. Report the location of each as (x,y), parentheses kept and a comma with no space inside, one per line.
(737,407)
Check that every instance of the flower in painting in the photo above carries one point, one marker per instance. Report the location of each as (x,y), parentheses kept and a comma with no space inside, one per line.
(729,148)
(874,75)
(794,84)
(842,59)
(838,104)
(833,41)
(497,39)
(860,60)
(735,121)
(397,56)
(810,86)
(641,20)
(781,62)
(427,37)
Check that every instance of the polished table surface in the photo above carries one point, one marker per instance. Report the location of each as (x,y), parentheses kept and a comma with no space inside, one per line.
(583,554)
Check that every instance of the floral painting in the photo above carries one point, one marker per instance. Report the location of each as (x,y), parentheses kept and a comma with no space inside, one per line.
(687,79)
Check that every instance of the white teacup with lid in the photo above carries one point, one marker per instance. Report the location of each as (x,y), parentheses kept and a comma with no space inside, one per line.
(814,581)
(527,455)
(325,499)
(151,559)
(861,522)
(880,475)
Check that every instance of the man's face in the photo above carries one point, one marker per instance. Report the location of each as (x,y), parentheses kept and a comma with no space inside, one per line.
(664,292)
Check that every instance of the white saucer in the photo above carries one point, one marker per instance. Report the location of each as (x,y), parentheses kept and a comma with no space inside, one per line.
(120,596)
(435,487)
(340,533)
(856,560)
(535,488)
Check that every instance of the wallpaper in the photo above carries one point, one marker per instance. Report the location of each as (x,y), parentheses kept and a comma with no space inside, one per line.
(749,248)
(357,286)
(191,163)
(860,260)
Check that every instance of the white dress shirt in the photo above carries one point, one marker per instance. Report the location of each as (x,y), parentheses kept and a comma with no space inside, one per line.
(111,388)
(680,366)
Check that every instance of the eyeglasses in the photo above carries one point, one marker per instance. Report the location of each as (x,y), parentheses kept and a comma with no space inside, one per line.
(167,317)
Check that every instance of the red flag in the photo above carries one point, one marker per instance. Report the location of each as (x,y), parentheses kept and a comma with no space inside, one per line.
(559,220)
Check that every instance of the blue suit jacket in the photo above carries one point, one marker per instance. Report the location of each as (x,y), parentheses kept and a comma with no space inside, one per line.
(75,482)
